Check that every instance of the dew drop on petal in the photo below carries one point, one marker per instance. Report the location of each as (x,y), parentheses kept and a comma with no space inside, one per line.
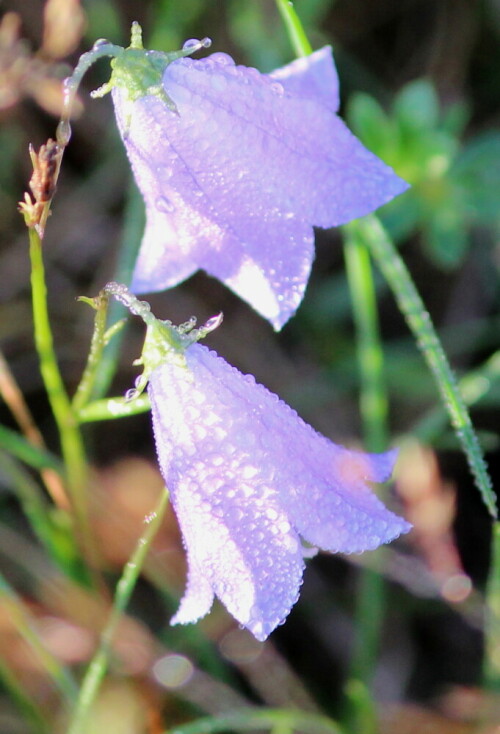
(163,204)
(222,59)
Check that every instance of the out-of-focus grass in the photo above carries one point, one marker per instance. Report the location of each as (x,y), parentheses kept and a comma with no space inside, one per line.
(435,121)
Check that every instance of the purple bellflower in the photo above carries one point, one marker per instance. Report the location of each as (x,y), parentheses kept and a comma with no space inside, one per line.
(236,167)
(250,480)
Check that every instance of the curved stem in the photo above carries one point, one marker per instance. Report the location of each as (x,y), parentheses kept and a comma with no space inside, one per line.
(132,234)
(296,34)
(418,319)
(99,663)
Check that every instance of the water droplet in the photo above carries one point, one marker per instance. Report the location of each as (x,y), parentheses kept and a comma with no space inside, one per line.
(278,89)
(63,132)
(222,59)
(192,43)
(100,43)
(163,204)
(165,171)
(213,323)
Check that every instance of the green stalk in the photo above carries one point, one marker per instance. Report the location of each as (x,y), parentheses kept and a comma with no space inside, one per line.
(110,408)
(373,399)
(84,389)
(411,306)
(69,432)
(370,596)
(296,34)
(60,677)
(133,230)
(99,663)
(474,386)
(258,719)
(369,614)
(492,628)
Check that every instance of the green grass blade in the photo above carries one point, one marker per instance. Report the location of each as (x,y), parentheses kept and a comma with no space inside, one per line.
(411,306)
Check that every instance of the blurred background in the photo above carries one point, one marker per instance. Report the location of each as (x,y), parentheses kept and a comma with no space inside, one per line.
(420,84)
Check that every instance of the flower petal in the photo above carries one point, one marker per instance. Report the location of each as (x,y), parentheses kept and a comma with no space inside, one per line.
(247,476)
(312,76)
(239,542)
(235,181)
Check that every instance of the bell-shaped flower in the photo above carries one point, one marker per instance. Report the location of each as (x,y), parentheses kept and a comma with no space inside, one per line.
(250,481)
(236,167)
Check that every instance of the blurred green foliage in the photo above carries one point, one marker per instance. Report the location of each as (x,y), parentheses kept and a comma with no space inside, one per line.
(455,183)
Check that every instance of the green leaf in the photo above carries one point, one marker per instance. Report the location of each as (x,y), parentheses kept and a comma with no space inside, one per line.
(446,236)
(417,106)
(477,171)
(371,124)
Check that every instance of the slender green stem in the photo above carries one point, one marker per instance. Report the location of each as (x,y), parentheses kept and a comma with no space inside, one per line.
(84,389)
(373,404)
(69,432)
(20,617)
(132,234)
(296,34)
(109,408)
(99,663)
(252,719)
(373,400)
(370,597)
(473,386)
(419,321)
(492,631)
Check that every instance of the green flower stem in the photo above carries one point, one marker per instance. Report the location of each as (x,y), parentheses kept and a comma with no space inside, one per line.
(252,719)
(373,400)
(473,386)
(99,663)
(370,597)
(110,408)
(492,630)
(296,34)
(419,321)
(133,230)
(84,389)
(69,432)
(371,594)
(22,622)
